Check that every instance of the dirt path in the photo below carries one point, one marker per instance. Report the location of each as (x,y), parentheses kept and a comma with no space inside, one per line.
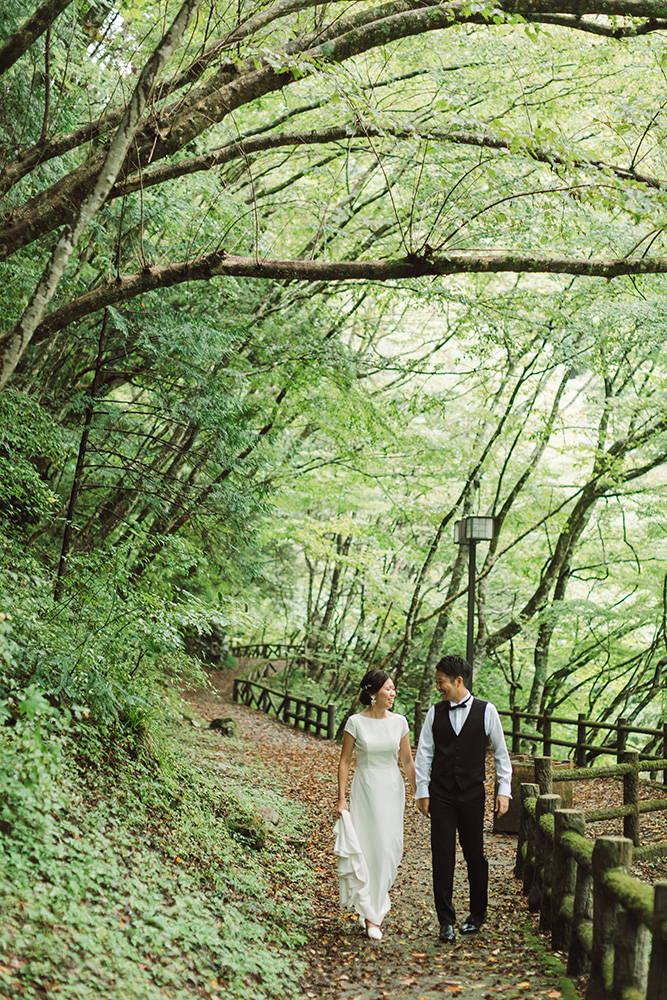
(409,963)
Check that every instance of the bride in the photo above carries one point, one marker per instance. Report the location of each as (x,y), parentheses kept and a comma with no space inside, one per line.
(369,835)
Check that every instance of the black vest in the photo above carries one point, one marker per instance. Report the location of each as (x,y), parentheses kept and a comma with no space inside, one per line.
(458,761)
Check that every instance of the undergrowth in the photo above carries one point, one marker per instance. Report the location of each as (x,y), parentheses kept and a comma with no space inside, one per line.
(119,876)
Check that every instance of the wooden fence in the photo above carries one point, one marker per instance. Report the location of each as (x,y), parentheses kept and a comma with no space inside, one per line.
(301,713)
(268,650)
(537,728)
(531,727)
(607,922)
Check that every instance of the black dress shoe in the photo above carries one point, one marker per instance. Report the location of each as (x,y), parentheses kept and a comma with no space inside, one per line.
(447,935)
(473,923)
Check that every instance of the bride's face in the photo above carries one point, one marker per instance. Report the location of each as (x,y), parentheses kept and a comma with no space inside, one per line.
(385,696)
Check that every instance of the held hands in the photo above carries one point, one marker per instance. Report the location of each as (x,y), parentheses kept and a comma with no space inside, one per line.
(502,804)
(422,805)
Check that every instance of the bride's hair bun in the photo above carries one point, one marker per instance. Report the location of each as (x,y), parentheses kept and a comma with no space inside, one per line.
(371,683)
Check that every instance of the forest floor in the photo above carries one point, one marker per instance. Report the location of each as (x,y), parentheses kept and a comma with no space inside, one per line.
(509,956)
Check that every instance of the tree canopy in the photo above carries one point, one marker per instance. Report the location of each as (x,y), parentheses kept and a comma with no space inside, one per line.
(425,139)
(372,266)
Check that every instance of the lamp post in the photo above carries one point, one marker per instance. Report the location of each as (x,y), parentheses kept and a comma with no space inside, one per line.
(469,531)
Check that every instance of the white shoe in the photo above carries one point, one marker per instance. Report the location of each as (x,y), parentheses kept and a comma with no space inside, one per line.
(374,932)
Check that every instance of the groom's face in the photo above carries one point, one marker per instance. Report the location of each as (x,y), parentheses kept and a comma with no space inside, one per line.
(449,688)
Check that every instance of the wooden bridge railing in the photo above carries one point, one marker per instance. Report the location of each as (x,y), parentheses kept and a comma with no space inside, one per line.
(606,921)
(268,650)
(301,713)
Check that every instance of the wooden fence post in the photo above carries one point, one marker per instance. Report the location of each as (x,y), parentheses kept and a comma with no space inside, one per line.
(657,973)
(539,897)
(631,797)
(608,853)
(525,851)
(544,774)
(307,715)
(580,752)
(578,957)
(621,738)
(664,751)
(235,693)
(631,949)
(419,721)
(287,701)
(516,741)
(564,877)
(546,736)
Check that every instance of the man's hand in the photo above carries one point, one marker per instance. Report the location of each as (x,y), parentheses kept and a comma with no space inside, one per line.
(422,805)
(502,804)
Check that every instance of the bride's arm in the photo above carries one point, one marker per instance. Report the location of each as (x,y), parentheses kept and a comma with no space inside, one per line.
(344,770)
(407,763)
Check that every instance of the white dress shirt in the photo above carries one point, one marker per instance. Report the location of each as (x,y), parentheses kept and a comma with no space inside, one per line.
(457,716)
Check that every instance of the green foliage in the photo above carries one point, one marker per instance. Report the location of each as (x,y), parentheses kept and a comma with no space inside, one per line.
(27,444)
(137,856)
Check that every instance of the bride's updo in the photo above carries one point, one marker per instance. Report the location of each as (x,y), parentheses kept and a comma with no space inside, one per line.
(371,683)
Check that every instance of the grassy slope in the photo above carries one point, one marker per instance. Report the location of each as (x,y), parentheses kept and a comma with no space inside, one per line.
(119,876)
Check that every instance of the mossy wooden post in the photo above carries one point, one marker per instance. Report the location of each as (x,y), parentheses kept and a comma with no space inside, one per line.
(579,955)
(564,877)
(307,715)
(331,720)
(608,853)
(631,796)
(631,949)
(287,701)
(657,973)
(525,848)
(540,893)
(235,690)
(544,774)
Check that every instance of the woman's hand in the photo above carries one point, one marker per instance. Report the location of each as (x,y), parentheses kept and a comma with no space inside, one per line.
(341,807)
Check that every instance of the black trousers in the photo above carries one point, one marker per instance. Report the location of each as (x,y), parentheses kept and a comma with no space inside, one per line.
(452,812)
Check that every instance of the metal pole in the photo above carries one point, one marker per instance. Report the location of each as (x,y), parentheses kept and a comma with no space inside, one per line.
(471,600)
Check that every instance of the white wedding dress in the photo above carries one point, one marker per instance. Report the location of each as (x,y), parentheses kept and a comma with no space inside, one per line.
(369,839)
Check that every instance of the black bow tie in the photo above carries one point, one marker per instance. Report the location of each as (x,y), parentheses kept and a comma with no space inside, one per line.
(461,704)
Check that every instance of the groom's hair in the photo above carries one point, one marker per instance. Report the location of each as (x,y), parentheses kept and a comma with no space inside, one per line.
(455,666)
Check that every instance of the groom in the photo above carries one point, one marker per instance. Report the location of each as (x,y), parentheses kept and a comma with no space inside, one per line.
(450,771)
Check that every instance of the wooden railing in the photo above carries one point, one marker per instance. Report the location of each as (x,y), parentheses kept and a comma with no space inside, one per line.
(526,727)
(301,713)
(606,921)
(537,728)
(268,650)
